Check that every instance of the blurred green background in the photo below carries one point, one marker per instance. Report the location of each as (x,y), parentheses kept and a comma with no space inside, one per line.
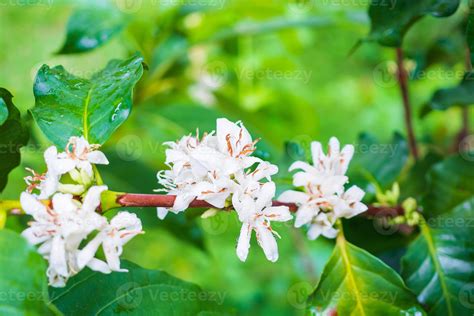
(282,67)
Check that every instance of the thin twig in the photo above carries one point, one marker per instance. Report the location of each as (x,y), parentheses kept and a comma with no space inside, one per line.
(161,200)
(402,77)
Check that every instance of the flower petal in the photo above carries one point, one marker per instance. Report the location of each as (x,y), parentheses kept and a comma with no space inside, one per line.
(243,244)
(92,198)
(97,157)
(267,241)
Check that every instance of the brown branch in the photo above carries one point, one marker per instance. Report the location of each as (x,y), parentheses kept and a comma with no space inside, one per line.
(160,200)
(402,77)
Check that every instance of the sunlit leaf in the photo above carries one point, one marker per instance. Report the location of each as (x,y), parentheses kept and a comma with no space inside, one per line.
(23,284)
(439,264)
(13,135)
(137,292)
(67,105)
(89,28)
(356,283)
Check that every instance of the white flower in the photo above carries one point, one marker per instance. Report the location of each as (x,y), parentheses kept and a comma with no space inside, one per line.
(324,199)
(60,228)
(122,228)
(77,160)
(206,168)
(82,155)
(256,215)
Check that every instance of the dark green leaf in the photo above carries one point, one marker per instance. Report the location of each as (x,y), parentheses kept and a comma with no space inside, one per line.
(138,292)
(3,112)
(390,20)
(23,284)
(13,135)
(461,95)
(356,283)
(449,183)
(379,162)
(470,30)
(67,105)
(89,28)
(439,264)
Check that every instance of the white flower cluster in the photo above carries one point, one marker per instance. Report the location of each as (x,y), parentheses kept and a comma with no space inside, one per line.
(63,225)
(324,199)
(219,168)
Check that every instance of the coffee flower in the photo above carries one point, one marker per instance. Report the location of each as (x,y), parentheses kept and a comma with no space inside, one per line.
(219,168)
(61,226)
(323,199)
(76,160)
(256,213)
(205,168)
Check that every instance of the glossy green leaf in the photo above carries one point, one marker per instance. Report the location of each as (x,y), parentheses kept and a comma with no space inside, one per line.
(3,112)
(67,105)
(23,284)
(13,135)
(138,292)
(378,162)
(449,183)
(461,95)
(390,20)
(89,28)
(439,264)
(356,283)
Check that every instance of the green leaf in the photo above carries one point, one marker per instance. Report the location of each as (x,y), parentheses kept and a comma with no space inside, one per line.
(449,183)
(13,135)
(138,292)
(461,95)
(378,162)
(67,105)
(439,264)
(390,20)
(3,112)
(89,28)
(23,284)
(356,283)
(470,31)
